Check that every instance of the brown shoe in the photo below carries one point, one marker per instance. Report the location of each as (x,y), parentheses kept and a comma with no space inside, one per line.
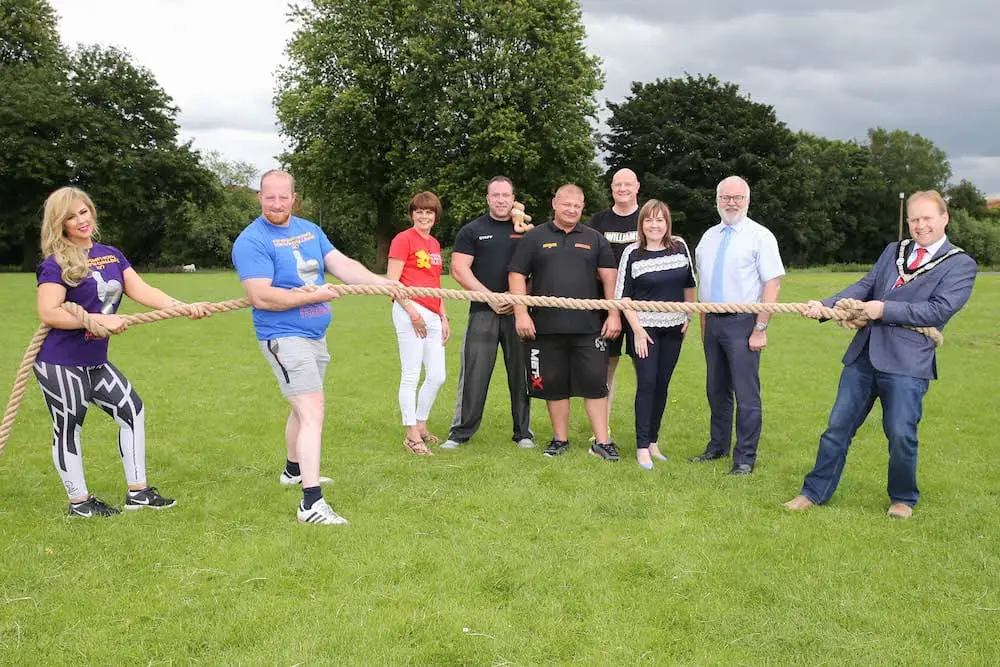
(900,511)
(798,504)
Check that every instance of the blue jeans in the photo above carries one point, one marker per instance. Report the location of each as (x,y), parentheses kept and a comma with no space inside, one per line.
(902,406)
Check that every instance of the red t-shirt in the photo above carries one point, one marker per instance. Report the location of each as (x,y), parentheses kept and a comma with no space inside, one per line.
(421,264)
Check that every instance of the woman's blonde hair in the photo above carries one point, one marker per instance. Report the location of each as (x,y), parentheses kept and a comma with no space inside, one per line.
(72,258)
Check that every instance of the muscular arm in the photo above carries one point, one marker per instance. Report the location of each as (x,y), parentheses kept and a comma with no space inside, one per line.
(352,271)
(265,296)
(461,271)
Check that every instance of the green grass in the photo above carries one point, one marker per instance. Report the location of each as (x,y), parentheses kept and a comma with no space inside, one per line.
(490,554)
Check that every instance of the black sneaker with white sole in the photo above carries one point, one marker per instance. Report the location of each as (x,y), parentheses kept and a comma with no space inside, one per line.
(148,497)
(556,447)
(92,506)
(606,450)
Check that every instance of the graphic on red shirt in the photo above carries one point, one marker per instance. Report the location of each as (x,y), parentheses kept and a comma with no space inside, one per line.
(421,264)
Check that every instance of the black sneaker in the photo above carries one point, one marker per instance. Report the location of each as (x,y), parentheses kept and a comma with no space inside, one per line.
(147,497)
(556,447)
(92,506)
(606,450)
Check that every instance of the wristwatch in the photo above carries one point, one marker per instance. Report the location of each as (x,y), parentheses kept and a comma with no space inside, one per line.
(760,326)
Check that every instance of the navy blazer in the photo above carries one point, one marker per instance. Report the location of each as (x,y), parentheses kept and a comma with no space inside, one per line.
(928,300)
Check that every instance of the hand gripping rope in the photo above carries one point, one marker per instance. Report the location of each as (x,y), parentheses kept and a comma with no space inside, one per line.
(847,312)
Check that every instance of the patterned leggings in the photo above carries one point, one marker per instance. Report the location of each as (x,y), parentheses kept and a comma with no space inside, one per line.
(67,391)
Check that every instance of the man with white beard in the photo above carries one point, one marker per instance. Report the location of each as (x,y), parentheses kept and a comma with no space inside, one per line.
(737,262)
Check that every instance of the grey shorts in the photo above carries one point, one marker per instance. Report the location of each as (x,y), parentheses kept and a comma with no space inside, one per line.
(298,363)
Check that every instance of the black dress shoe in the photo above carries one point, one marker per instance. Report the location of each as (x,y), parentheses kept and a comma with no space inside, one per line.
(706,456)
(741,469)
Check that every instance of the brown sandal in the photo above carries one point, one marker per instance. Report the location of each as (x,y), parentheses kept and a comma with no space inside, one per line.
(430,437)
(417,447)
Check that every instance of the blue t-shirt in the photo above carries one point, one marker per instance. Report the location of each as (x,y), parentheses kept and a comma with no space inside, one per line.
(290,257)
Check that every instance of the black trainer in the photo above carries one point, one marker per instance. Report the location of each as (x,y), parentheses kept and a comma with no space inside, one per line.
(606,450)
(556,447)
(147,497)
(92,506)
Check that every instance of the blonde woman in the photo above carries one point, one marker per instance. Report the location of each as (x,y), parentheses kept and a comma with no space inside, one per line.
(72,366)
(421,323)
(655,268)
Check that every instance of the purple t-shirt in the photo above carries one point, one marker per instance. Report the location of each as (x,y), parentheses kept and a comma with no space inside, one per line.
(100,292)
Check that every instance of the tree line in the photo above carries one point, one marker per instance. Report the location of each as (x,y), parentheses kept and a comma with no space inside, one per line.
(381,99)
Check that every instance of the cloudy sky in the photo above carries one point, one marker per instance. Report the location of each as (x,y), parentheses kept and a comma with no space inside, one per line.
(833,67)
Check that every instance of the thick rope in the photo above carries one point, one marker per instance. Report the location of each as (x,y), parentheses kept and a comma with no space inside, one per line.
(848,312)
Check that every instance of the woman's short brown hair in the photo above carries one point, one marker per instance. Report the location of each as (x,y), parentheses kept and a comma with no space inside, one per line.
(427,201)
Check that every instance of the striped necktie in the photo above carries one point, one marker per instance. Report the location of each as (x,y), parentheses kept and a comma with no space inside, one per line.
(914,265)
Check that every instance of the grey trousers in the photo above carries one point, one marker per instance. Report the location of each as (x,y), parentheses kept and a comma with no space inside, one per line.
(733,371)
(485,331)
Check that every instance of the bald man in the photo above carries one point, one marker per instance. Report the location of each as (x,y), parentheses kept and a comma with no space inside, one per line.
(738,262)
(619,226)
(566,353)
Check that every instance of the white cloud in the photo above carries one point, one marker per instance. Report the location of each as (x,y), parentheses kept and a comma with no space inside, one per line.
(216,59)
(834,67)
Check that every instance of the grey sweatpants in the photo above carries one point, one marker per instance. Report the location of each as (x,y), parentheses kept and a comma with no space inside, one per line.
(487,330)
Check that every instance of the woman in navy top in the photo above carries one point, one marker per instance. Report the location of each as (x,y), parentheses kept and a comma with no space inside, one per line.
(656,268)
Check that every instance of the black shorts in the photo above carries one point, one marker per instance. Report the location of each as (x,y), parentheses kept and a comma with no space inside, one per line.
(565,365)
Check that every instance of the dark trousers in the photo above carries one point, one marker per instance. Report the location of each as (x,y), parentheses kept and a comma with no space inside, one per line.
(733,371)
(902,398)
(652,379)
(485,331)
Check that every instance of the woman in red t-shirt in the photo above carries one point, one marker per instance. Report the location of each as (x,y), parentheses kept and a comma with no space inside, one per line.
(421,323)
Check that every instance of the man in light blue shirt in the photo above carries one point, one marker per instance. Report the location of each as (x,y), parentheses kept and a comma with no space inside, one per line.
(738,262)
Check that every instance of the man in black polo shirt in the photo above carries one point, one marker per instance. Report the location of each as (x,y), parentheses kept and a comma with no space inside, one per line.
(567,352)
(483,249)
(619,225)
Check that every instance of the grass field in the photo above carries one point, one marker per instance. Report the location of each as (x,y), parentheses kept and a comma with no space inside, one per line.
(490,554)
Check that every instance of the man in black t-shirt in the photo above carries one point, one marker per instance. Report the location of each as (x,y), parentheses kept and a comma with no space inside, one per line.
(567,348)
(619,225)
(483,249)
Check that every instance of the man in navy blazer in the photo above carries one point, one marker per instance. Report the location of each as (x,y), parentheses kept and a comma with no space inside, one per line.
(919,282)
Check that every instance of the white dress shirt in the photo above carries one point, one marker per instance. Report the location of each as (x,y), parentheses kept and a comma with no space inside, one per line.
(932,250)
(751,260)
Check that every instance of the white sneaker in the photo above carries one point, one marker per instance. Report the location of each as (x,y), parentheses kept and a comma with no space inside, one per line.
(322,513)
(289,480)
(525,443)
(450,444)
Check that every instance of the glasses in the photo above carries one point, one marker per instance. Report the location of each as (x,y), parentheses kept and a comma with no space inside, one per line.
(739,199)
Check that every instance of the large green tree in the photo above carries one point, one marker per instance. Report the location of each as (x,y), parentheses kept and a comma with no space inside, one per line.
(384,98)
(128,156)
(90,118)
(36,112)
(683,135)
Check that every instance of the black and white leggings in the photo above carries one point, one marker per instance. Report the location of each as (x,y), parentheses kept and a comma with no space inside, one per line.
(67,391)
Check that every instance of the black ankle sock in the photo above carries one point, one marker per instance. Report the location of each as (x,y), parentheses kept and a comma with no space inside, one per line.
(310,495)
(292,468)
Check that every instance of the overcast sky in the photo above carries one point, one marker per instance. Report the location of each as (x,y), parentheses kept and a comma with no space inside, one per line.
(834,67)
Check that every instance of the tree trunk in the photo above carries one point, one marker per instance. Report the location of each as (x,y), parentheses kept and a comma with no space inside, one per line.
(29,249)
(385,229)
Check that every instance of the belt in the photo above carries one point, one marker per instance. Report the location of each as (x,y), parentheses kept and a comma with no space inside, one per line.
(727,314)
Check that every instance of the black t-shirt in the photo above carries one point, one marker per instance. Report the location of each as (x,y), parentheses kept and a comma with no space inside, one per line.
(491,244)
(619,230)
(564,264)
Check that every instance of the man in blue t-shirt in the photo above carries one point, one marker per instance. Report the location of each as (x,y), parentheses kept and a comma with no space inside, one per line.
(276,256)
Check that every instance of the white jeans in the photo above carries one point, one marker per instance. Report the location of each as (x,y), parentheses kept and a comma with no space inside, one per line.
(414,351)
